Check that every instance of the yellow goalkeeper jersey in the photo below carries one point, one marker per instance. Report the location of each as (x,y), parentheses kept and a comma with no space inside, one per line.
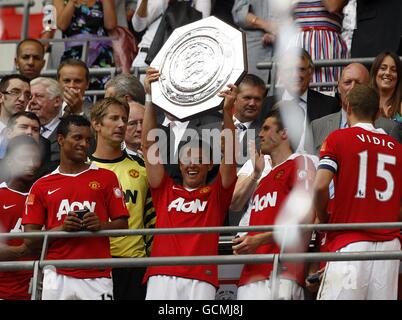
(130,170)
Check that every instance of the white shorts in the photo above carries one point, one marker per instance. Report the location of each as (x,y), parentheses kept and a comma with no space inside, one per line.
(362,280)
(61,287)
(176,288)
(261,290)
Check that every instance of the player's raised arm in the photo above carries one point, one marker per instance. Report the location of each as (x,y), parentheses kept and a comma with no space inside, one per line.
(246,184)
(228,162)
(154,166)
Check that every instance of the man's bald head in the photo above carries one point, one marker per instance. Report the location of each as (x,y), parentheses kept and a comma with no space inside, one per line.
(354,73)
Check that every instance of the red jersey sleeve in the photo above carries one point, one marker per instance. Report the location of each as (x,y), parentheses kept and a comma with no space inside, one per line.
(114,196)
(35,211)
(224,194)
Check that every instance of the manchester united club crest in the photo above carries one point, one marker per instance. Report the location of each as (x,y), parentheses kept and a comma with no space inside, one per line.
(205,190)
(134,173)
(31,199)
(324,146)
(279,174)
(94,185)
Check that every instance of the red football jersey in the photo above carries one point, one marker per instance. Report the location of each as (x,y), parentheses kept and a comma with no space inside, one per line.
(178,208)
(267,201)
(53,196)
(368,173)
(13,284)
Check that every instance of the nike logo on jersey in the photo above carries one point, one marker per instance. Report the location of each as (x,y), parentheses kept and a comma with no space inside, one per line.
(260,204)
(187,207)
(8,207)
(53,191)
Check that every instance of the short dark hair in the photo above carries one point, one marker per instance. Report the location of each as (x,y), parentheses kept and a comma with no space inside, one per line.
(281,111)
(254,81)
(64,126)
(19,141)
(73,62)
(30,40)
(364,102)
(5,81)
(275,113)
(27,114)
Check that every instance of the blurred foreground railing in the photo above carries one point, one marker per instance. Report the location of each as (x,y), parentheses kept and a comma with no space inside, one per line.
(277,259)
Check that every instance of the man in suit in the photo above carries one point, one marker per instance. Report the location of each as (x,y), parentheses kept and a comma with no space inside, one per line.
(354,73)
(73,76)
(29,60)
(246,116)
(26,123)
(47,97)
(378,27)
(296,71)
(129,88)
(14,97)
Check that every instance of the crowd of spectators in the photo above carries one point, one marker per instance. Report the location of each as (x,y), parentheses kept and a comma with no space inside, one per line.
(79,165)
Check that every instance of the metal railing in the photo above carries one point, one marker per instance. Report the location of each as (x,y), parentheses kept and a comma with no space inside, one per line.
(272,65)
(277,259)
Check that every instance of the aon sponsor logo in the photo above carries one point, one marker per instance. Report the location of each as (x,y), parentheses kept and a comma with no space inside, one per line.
(187,207)
(260,203)
(66,206)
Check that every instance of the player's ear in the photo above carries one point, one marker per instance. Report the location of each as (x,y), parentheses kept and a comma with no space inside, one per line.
(60,139)
(284,134)
(95,125)
(348,108)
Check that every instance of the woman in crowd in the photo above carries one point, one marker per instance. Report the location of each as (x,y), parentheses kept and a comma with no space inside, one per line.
(386,73)
(255,18)
(86,19)
(148,16)
(321,23)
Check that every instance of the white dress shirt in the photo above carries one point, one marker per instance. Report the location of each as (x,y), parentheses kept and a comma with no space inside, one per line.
(178,128)
(344,120)
(50,127)
(241,133)
(302,103)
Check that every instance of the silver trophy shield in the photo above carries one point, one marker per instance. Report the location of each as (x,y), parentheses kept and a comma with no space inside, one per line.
(196,63)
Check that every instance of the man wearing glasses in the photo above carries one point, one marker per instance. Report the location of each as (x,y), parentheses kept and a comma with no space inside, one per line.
(14,96)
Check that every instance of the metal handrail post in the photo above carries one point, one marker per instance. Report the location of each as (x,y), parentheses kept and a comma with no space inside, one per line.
(136,72)
(38,275)
(35,281)
(272,87)
(275,281)
(25,20)
(84,54)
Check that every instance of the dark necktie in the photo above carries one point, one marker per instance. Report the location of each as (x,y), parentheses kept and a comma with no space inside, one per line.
(43,129)
(241,126)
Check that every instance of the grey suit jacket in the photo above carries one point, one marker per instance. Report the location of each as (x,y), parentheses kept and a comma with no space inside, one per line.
(324,126)
(54,147)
